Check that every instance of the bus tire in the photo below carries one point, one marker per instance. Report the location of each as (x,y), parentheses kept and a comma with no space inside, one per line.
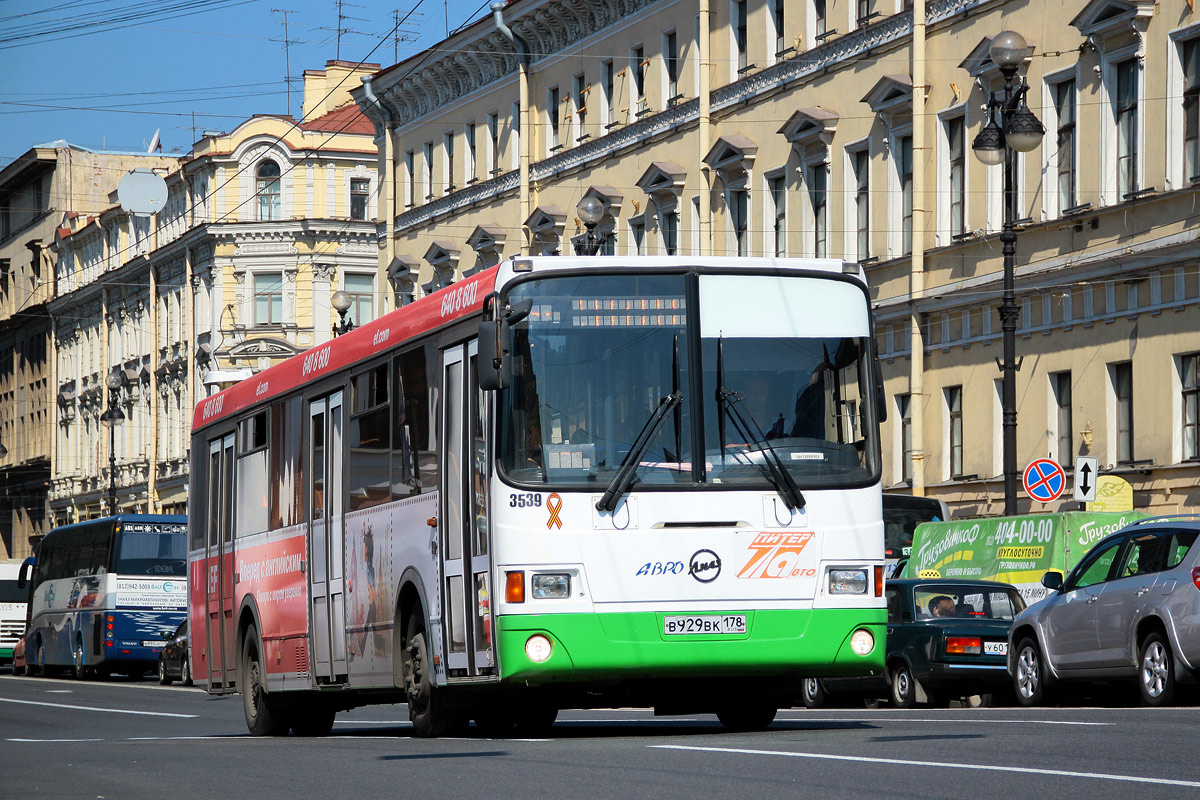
(82,671)
(265,715)
(426,705)
(747,717)
(314,719)
(38,665)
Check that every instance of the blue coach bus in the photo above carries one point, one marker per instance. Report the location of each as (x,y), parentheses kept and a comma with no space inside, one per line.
(105,593)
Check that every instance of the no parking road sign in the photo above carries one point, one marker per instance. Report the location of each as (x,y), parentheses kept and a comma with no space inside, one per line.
(1044,480)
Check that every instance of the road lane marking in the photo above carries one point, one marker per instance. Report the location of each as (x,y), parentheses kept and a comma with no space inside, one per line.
(41,741)
(941,764)
(940,721)
(94,708)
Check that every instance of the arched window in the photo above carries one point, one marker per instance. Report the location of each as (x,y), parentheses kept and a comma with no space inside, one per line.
(268,191)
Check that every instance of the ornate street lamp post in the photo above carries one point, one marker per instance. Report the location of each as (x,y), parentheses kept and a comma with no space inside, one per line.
(112,418)
(1018,131)
(590,211)
(341,303)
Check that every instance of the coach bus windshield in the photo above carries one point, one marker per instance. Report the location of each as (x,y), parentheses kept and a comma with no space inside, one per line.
(152,548)
(784,365)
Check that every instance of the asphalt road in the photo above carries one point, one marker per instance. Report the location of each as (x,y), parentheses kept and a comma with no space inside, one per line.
(135,739)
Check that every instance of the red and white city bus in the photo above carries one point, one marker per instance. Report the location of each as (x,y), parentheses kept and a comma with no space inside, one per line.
(560,482)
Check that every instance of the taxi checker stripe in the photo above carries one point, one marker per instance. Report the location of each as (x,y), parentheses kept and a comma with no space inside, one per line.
(554,503)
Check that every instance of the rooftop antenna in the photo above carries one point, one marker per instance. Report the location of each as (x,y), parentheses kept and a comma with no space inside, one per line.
(341,17)
(401,34)
(287,54)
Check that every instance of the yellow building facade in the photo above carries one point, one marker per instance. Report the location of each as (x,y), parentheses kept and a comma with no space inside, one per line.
(844,129)
(236,271)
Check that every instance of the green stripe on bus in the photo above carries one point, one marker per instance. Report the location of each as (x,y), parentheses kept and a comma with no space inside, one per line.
(777,642)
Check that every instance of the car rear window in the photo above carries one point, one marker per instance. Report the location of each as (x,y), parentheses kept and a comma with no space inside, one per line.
(1179,543)
(970,603)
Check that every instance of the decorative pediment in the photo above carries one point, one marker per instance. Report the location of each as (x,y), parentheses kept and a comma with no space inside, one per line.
(1105,18)
(442,254)
(610,197)
(663,177)
(402,273)
(891,94)
(546,218)
(265,347)
(979,64)
(402,266)
(487,238)
(732,152)
(808,126)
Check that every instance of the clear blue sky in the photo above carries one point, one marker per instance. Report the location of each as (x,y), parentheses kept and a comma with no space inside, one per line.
(107,74)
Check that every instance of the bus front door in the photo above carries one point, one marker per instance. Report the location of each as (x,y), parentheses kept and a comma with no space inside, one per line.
(466,556)
(327,617)
(219,633)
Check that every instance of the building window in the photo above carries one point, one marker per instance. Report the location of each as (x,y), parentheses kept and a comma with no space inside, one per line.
(906,194)
(739,209)
(552,143)
(819,19)
(637,71)
(1060,385)
(1064,111)
(360,191)
(448,149)
(493,143)
(514,135)
(955,429)
(817,198)
(668,222)
(361,289)
(610,116)
(1189,367)
(777,188)
(268,191)
(671,66)
(1122,379)
(469,171)
(904,409)
(958,165)
(637,237)
(861,161)
(410,178)
(1191,110)
(778,10)
(738,9)
(268,298)
(1127,132)
(427,171)
(579,93)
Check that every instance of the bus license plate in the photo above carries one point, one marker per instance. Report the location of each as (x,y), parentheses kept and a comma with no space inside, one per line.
(153,643)
(701,624)
(995,648)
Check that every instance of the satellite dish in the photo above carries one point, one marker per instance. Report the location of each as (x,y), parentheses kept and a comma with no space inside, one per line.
(142,192)
(154,143)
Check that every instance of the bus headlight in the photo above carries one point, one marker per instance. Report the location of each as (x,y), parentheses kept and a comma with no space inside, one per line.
(550,585)
(847,581)
(862,642)
(538,648)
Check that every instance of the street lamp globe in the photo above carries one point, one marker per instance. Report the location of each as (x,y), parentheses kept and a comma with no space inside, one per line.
(591,211)
(341,301)
(989,144)
(1023,131)
(114,381)
(1008,50)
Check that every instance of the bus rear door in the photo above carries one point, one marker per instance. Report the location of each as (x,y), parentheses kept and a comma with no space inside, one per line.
(221,630)
(466,565)
(327,617)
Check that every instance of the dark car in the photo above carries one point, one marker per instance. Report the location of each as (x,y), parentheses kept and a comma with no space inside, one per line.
(173,660)
(946,639)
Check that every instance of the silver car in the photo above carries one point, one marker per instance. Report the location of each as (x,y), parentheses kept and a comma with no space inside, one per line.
(1129,609)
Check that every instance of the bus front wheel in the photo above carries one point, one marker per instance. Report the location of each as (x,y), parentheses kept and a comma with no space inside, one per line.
(426,707)
(265,715)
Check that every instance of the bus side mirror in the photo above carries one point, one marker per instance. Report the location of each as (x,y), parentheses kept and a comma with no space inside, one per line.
(25,571)
(495,341)
(877,371)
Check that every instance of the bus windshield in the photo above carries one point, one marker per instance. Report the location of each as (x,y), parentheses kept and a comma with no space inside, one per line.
(783,365)
(10,593)
(158,549)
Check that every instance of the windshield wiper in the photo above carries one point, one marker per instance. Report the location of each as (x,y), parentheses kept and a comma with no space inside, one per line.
(620,482)
(773,466)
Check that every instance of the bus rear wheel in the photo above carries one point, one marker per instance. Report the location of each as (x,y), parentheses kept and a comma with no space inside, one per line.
(265,715)
(82,671)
